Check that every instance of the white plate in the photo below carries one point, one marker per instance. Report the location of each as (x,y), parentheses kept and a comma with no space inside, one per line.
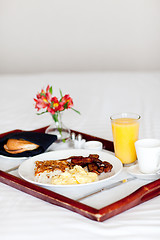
(13,158)
(26,169)
(134,171)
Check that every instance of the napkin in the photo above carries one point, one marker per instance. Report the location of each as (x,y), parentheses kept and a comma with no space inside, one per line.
(42,139)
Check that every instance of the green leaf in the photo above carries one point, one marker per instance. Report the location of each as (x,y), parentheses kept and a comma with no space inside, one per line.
(41,113)
(60,93)
(55,117)
(50,90)
(65,105)
(75,110)
(51,106)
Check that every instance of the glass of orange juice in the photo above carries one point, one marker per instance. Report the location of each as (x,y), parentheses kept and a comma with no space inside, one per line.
(125,129)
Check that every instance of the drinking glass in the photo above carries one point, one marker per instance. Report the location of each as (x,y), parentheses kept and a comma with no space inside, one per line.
(125,129)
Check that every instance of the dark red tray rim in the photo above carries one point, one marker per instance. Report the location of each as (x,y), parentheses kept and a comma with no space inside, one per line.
(141,195)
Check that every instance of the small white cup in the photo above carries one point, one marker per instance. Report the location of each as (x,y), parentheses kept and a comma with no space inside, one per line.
(93,145)
(148,155)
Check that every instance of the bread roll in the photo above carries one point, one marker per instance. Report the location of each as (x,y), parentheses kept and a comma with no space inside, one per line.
(15,146)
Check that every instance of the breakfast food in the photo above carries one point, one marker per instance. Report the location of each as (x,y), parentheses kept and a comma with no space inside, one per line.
(76,175)
(73,170)
(45,170)
(15,146)
(93,163)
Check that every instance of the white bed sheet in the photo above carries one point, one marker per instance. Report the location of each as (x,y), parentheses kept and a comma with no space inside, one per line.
(96,96)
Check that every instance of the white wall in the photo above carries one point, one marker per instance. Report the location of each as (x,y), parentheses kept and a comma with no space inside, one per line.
(76,35)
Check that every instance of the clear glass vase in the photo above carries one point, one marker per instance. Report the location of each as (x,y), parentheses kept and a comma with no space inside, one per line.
(58,128)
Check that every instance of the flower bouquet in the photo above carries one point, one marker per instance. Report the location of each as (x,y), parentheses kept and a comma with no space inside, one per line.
(47,103)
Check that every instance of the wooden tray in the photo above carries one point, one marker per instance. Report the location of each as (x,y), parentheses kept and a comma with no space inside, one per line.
(141,195)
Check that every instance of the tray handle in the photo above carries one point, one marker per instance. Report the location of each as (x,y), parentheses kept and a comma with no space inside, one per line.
(141,195)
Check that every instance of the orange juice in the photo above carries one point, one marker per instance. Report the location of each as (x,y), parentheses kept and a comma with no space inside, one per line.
(125,134)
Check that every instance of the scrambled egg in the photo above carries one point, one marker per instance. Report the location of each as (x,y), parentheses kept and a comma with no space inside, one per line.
(77,175)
